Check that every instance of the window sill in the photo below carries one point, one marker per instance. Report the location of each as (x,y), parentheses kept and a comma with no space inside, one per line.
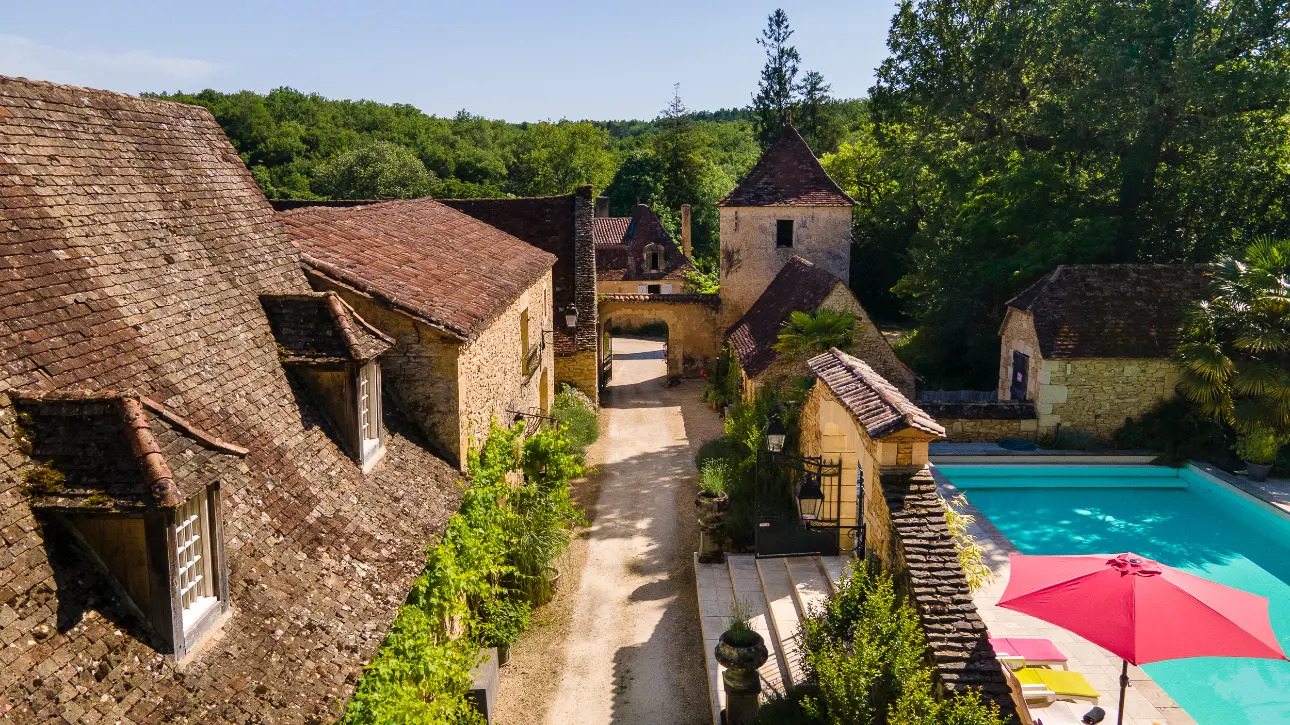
(371,456)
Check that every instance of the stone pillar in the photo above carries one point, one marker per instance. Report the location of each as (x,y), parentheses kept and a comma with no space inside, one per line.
(685,230)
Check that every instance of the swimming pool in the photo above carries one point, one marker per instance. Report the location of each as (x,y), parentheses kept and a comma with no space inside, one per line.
(1182,518)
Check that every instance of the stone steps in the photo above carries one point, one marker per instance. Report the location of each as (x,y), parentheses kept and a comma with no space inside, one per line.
(777,592)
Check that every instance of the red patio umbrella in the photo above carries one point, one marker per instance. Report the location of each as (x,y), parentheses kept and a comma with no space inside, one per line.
(1140,610)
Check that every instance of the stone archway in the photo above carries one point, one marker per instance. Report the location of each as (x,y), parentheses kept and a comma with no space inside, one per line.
(693,324)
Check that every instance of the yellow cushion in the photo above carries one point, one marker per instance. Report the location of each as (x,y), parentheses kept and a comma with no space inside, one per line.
(1061,682)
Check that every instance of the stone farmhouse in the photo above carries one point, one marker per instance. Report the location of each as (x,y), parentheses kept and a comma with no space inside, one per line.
(801,285)
(209,515)
(469,308)
(635,254)
(1092,345)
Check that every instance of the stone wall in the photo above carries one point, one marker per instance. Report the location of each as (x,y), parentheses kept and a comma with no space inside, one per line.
(1089,395)
(693,335)
(868,345)
(750,259)
(420,371)
(580,370)
(452,389)
(1096,395)
(490,369)
(984,422)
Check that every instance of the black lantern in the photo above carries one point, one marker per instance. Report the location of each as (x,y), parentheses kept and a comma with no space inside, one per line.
(571,316)
(810,498)
(775,434)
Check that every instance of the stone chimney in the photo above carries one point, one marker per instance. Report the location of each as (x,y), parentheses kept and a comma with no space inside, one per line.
(602,207)
(685,230)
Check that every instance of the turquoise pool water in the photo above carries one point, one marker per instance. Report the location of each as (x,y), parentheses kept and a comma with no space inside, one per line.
(1180,518)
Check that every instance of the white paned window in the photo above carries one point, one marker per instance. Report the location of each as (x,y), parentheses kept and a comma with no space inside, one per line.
(369,408)
(667,289)
(642,288)
(193,550)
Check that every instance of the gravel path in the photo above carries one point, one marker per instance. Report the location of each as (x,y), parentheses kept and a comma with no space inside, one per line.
(625,646)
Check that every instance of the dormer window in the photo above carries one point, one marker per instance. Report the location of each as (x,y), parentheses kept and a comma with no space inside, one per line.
(195,579)
(784,233)
(137,489)
(654,258)
(334,351)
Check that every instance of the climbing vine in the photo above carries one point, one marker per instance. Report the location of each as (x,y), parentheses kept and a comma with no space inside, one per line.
(421,673)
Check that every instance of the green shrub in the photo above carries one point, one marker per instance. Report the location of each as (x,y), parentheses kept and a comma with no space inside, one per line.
(501,620)
(1179,432)
(866,652)
(576,417)
(504,529)
(724,388)
(717,449)
(713,476)
(1260,445)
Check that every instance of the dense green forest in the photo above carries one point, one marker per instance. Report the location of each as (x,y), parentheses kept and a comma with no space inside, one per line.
(1000,140)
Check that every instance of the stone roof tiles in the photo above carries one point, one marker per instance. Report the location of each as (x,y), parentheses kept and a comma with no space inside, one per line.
(319,328)
(800,285)
(787,174)
(563,226)
(875,403)
(135,247)
(956,635)
(422,257)
(1111,310)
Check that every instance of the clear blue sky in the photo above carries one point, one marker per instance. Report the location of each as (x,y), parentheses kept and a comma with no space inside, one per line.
(514,60)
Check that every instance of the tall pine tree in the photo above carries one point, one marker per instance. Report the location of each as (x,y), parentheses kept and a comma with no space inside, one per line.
(777,91)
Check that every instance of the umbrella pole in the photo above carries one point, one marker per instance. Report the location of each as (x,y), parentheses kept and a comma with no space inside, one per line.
(1124,685)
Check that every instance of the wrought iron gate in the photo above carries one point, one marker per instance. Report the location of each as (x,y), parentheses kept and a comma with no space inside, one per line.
(780,531)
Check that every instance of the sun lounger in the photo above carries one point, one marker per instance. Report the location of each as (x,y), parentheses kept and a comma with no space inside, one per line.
(1038,683)
(1049,710)
(1031,651)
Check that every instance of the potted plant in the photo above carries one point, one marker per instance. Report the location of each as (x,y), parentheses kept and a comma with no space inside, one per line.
(742,651)
(501,620)
(540,536)
(1258,448)
(711,504)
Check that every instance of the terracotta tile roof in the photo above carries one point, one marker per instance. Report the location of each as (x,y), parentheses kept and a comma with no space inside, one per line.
(787,174)
(1111,310)
(135,247)
(626,261)
(422,257)
(319,328)
(563,226)
(117,452)
(610,230)
(956,635)
(875,404)
(800,285)
(681,298)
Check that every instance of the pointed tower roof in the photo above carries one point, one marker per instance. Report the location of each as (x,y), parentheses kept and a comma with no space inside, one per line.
(787,174)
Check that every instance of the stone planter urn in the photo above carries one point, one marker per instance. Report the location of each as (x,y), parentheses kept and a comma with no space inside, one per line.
(712,520)
(741,658)
(1257,472)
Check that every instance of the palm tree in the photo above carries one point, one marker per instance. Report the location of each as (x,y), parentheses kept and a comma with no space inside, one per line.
(811,333)
(1236,347)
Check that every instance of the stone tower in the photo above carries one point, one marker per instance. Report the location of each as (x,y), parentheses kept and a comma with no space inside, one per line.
(786,206)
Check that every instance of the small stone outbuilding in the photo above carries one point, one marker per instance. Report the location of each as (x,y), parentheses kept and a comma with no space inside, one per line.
(805,287)
(786,207)
(636,255)
(468,305)
(1093,344)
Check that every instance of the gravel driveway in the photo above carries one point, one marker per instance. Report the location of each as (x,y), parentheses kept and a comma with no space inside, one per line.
(633,650)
